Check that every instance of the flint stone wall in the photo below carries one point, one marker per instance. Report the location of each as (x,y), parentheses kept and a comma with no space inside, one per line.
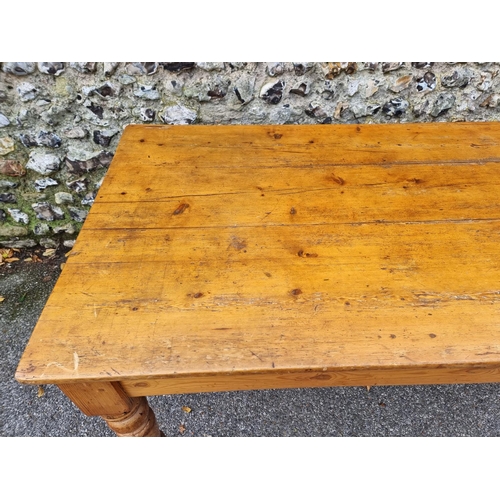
(60,122)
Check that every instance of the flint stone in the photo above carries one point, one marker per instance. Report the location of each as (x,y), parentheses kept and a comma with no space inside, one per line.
(41,228)
(272,92)
(51,68)
(177,67)
(41,184)
(7,198)
(54,115)
(19,68)
(48,243)
(301,89)
(12,168)
(372,87)
(75,133)
(79,166)
(3,217)
(69,243)
(107,90)
(7,184)
(455,79)
(76,214)
(210,66)
(143,68)
(401,83)
(491,101)
(391,66)
(12,232)
(174,87)
(316,111)
(66,228)
(4,121)
(45,211)
(103,137)
(126,79)
(147,115)
(301,68)
(47,139)
(442,104)
(6,145)
(78,185)
(147,92)
(18,216)
(427,82)
(275,68)
(89,199)
(369,66)
(361,110)
(395,107)
(178,115)
(485,82)
(333,69)
(83,67)
(422,65)
(110,68)
(63,198)
(352,87)
(328,90)
(19,244)
(44,164)
(27,91)
(244,88)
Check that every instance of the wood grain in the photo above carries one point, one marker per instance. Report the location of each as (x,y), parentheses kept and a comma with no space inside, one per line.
(234,257)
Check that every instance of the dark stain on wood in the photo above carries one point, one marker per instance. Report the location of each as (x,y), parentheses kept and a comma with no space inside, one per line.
(180,209)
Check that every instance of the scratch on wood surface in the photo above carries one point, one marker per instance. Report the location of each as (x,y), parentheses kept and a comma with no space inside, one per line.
(76,360)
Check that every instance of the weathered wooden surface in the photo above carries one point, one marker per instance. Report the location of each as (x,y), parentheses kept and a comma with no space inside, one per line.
(240,257)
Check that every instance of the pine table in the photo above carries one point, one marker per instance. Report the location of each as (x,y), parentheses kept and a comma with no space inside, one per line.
(234,257)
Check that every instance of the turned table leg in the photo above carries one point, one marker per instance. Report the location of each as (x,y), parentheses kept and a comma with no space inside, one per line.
(125,415)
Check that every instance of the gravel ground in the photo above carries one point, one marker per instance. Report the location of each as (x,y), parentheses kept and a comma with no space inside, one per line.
(437,410)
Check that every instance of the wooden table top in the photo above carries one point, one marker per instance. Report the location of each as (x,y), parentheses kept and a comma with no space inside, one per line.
(233,250)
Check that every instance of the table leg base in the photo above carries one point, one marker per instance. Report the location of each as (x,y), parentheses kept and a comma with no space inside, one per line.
(140,421)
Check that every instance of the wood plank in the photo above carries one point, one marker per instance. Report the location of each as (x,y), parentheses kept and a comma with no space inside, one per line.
(370,297)
(428,193)
(465,374)
(266,145)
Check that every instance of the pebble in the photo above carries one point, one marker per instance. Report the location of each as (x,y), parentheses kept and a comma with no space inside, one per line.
(18,216)
(76,214)
(427,82)
(42,163)
(11,168)
(422,65)
(51,68)
(126,79)
(272,92)
(372,87)
(314,110)
(69,243)
(27,91)
(87,164)
(41,184)
(352,87)
(7,184)
(19,68)
(7,145)
(361,110)
(48,243)
(178,115)
(4,121)
(3,215)
(370,66)
(63,198)
(89,199)
(46,211)
(443,103)
(78,185)
(395,107)
(147,92)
